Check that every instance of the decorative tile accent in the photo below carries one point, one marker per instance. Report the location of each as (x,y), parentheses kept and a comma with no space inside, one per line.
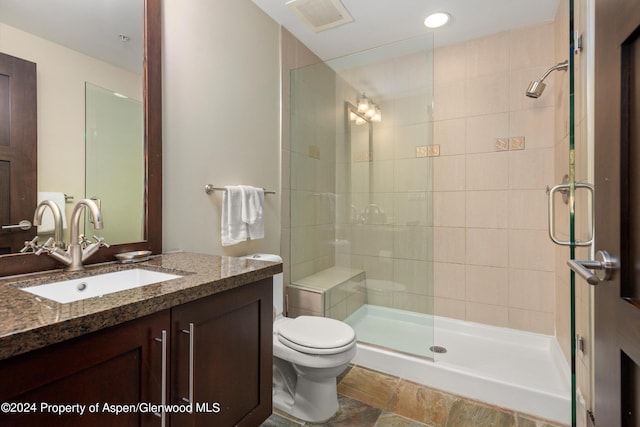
(502,144)
(314,151)
(422,151)
(516,143)
(362,156)
(433,150)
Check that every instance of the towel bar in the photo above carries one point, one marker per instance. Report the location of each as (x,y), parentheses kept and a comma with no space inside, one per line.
(210,188)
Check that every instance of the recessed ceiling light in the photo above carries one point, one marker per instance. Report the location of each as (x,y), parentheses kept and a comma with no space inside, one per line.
(436,20)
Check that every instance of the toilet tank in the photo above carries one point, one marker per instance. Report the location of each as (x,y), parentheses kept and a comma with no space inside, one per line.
(278,291)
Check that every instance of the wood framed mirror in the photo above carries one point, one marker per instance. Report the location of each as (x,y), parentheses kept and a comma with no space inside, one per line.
(20,263)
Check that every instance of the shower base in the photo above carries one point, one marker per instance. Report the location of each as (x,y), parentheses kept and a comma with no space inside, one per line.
(518,370)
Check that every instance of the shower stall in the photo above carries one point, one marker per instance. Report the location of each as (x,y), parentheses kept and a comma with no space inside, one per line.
(418,214)
(362,189)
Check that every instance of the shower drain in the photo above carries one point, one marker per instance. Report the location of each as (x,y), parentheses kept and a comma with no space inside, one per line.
(437,349)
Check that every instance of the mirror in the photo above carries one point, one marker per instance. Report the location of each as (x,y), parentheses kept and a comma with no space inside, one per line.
(114,142)
(149,83)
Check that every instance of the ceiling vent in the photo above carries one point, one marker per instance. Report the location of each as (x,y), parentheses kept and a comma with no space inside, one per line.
(320,15)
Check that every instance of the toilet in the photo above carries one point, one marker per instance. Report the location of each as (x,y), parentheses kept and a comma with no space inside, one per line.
(309,352)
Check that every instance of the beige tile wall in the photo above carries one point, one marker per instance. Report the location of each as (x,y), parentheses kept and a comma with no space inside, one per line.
(310,142)
(491,259)
(395,249)
(494,262)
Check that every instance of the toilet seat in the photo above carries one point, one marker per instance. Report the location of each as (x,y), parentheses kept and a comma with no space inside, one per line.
(317,335)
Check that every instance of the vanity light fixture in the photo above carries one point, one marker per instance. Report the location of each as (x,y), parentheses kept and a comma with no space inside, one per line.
(437,20)
(377,116)
(368,111)
(363,104)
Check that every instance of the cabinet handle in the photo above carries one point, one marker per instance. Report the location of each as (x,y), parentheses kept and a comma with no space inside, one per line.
(162,414)
(191,331)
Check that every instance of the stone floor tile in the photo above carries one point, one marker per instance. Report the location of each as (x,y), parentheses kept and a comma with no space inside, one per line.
(276,420)
(465,413)
(370,387)
(351,413)
(388,419)
(421,403)
(527,421)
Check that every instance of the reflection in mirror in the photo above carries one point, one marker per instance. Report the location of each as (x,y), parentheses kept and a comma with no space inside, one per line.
(115,163)
(77,43)
(62,70)
(359,131)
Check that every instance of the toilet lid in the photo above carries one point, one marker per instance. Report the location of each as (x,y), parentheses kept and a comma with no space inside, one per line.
(320,335)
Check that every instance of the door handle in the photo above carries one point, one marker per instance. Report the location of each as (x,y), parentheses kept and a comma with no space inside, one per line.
(22,225)
(564,188)
(604,263)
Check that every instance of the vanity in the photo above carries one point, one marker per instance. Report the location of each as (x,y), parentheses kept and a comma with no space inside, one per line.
(199,346)
(195,350)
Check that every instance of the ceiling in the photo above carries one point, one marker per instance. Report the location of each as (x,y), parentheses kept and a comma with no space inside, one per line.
(93,27)
(90,27)
(379,22)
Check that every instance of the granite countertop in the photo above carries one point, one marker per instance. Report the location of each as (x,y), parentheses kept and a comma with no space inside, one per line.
(28,322)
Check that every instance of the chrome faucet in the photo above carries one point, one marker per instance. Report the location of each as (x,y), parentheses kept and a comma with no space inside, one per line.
(78,251)
(57,220)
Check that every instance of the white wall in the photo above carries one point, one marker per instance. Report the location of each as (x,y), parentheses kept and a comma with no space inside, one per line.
(221,118)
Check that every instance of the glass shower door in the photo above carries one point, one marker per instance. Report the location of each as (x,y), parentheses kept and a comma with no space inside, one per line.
(361,192)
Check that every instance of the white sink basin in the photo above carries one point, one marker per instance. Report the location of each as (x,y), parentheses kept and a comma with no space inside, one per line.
(95,286)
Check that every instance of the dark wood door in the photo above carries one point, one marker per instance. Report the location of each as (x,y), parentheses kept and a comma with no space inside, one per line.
(121,365)
(617,198)
(18,148)
(232,357)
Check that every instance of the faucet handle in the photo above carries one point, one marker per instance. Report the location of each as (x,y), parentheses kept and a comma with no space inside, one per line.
(83,241)
(47,246)
(100,241)
(33,245)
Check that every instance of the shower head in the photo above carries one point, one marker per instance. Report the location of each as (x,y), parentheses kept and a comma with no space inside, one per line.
(536,87)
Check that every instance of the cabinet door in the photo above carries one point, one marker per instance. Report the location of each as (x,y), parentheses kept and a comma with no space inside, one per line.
(119,365)
(232,349)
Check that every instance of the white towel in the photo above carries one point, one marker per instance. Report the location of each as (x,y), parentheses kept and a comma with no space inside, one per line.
(253,211)
(242,214)
(47,218)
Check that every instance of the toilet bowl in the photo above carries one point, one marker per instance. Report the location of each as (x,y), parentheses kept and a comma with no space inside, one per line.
(309,352)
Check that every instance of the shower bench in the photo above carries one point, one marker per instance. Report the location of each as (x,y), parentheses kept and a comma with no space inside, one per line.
(335,292)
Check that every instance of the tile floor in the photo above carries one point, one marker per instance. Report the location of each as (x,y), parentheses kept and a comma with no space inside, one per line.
(372,399)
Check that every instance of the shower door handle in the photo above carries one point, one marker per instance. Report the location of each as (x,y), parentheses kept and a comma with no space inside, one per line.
(604,262)
(564,187)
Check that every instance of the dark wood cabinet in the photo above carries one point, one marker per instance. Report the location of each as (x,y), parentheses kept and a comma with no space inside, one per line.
(227,341)
(118,365)
(218,362)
